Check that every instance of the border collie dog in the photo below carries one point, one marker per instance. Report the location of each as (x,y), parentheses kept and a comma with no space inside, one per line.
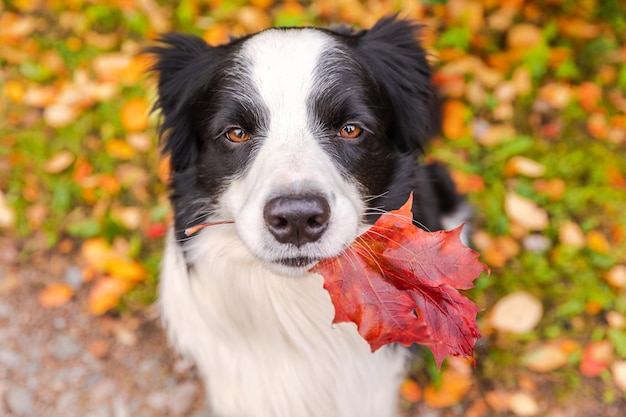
(301,137)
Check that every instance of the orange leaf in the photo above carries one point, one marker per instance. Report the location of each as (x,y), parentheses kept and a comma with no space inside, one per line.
(55,295)
(134,114)
(596,358)
(454,386)
(217,34)
(454,120)
(106,294)
(588,95)
(411,391)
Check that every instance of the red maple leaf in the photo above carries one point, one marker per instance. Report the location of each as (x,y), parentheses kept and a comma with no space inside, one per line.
(399,283)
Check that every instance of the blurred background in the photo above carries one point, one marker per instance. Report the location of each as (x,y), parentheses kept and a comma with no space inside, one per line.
(534,132)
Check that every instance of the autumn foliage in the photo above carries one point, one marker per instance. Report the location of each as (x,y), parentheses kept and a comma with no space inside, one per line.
(534,130)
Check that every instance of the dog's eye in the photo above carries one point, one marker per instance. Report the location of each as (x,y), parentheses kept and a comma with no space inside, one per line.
(350,131)
(237,134)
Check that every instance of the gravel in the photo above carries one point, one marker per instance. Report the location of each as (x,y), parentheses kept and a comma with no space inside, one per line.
(64,362)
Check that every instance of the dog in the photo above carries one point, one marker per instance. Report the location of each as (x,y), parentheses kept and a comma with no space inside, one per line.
(294,140)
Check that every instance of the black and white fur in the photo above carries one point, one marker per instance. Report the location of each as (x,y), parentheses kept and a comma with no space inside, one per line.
(237,298)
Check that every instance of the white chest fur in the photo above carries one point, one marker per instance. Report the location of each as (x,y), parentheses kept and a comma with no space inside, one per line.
(264,342)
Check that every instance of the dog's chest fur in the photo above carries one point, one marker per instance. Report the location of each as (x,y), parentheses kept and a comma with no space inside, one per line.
(264,342)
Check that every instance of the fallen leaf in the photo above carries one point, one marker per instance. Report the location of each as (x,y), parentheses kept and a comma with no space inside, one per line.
(217,34)
(125,270)
(523,404)
(524,36)
(399,283)
(615,320)
(546,358)
(556,95)
(616,276)
(411,391)
(60,115)
(454,119)
(571,234)
(525,212)
(55,295)
(554,188)
(598,126)
(518,312)
(156,230)
(524,166)
(120,149)
(59,162)
(589,95)
(454,385)
(597,242)
(619,374)
(596,358)
(106,294)
(7,213)
(134,114)
(14,90)
(96,252)
(496,134)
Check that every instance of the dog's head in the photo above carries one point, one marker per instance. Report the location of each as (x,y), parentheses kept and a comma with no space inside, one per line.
(292,133)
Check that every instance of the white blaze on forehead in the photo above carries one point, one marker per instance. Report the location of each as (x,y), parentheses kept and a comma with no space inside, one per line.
(283,65)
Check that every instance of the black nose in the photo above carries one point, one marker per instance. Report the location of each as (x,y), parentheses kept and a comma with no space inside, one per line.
(297,220)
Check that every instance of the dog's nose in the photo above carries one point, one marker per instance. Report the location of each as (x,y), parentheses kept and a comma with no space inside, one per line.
(297,220)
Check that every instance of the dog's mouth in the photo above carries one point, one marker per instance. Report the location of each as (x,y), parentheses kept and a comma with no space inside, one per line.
(297,262)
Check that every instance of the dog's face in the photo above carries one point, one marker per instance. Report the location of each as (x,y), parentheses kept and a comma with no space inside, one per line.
(295,134)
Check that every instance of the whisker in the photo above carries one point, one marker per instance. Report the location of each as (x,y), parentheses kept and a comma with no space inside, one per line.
(381,211)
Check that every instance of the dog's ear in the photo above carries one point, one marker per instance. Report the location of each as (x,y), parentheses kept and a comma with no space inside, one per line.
(391,50)
(185,65)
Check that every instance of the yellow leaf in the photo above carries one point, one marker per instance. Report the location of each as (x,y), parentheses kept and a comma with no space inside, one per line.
(120,149)
(134,114)
(96,252)
(125,270)
(106,294)
(597,242)
(14,90)
(59,162)
(55,295)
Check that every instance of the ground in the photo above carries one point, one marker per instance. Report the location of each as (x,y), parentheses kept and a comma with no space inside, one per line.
(64,362)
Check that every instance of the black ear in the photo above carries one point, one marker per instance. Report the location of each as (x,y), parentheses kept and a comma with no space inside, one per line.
(392,51)
(185,65)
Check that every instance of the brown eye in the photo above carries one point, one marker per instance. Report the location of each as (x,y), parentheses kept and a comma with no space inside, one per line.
(350,131)
(237,134)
